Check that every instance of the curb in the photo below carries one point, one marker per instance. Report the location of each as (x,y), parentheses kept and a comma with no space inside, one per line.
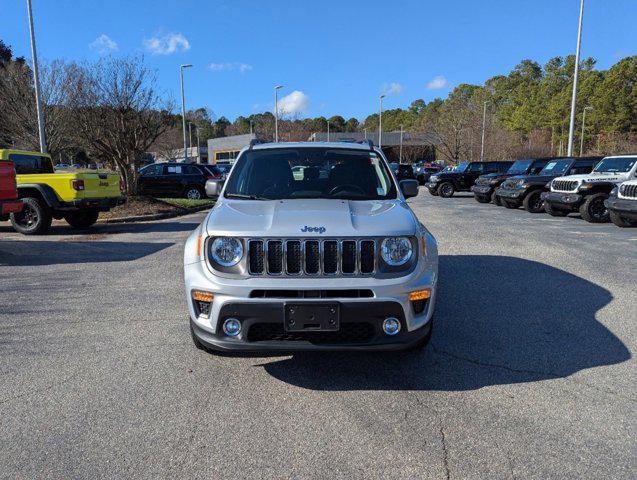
(159,216)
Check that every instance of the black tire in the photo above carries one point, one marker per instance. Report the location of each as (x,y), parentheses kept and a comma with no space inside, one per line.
(593,209)
(554,212)
(433,191)
(482,198)
(421,179)
(496,200)
(620,221)
(533,202)
(81,219)
(509,204)
(193,193)
(34,219)
(446,190)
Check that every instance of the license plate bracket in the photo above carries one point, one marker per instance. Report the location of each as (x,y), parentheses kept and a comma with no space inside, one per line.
(312,317)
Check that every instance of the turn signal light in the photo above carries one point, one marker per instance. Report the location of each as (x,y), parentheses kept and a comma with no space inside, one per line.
(420,295)
(202,296)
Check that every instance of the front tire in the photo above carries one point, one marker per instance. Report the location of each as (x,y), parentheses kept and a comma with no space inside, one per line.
(620,221)
(509,204)
(34,219)
(446,190)
(554,212)
(433,191)
(593,209)
(81,219)
(533,202)
(496,200)
(482,198)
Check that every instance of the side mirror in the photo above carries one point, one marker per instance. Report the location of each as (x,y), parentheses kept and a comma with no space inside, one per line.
(214,187)
(409,188)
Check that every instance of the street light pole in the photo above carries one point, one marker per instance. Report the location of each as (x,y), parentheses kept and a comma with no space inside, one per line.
(328,130)
(183,107)
(581,144)
(365,131)
(571,129)
(484,122)
(251,129)
(276,112)
(189,134)
(400,155)
(380,123)
(36,82)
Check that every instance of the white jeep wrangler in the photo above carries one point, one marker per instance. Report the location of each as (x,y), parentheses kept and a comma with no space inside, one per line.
(311,246)
(622,204)
(587,193)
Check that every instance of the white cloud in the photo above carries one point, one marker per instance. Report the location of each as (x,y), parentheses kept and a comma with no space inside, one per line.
(230,66)
(295,102)
(103,44)
(167,44)
(392,88)
(437,83)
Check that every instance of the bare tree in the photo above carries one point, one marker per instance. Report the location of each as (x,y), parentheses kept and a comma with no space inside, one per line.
(119,114)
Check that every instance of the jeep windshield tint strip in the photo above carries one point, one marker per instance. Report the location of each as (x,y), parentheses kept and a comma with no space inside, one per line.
(556,167)
(287,173)
(614,165)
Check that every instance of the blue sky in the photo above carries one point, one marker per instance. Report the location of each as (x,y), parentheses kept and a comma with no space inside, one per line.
(333,57)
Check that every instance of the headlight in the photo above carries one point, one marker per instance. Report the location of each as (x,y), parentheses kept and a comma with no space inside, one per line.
(494,182)
(226,251)
(433,178)
(396,251)
(614,192)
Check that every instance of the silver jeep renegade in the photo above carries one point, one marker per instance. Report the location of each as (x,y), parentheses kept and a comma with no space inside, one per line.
(311,246)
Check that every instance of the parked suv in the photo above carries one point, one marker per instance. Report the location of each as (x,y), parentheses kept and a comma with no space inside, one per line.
(403,171)
(321,262)
(484,188)
(77,197)
(587,193)
(526,190)
(9,202)
(462,178)
(622,204)
(425,170)
(187,180)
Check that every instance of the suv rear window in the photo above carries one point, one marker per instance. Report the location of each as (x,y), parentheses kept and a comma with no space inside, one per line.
(29,164)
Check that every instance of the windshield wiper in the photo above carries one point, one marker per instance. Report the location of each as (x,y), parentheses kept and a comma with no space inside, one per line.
(246,196)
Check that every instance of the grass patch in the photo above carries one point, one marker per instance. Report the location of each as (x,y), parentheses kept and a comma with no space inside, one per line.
(185,202)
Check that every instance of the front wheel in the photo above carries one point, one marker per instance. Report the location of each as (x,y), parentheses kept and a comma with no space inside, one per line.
(621,221)
(495,199)
(446,190)
(193,193)
(533,202)
(482,198)
(433,191)
(81,219)
(509,204)
(34,219)
(593,209)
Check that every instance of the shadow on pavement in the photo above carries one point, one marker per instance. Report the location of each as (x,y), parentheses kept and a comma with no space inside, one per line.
(37,253)
(499,320)
(112,228)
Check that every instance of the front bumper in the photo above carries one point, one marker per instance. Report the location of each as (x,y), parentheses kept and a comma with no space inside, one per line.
(511,193)
(626,208)
(563,201)
(10,206)
(483,190)
(99,204)
(386,297)
(432,185)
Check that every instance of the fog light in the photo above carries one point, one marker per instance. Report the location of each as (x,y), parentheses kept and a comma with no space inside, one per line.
(232,327)
(391,326)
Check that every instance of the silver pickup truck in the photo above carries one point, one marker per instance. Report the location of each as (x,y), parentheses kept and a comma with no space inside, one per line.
(311,246)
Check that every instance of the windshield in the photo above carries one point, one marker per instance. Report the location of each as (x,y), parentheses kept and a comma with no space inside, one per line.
(461,167)
(615,165)
(280,173)
(520,166)
(556,167)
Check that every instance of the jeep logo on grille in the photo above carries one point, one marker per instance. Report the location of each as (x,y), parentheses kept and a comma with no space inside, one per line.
(307,229)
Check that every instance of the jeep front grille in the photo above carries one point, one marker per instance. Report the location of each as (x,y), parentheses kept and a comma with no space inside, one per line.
(312,257)
(564,185)
(628,191)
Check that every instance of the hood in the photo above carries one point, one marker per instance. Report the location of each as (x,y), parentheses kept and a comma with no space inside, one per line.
(311,218)
(534,178)
(447,174)
(596,177)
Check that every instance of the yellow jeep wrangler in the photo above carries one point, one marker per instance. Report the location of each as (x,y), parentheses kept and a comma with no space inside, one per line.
(76,196)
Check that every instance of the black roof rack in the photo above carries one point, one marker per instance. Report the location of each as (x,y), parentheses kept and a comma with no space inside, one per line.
(253,142)
(368,142)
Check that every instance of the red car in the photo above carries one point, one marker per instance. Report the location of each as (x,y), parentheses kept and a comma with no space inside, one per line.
(9,202)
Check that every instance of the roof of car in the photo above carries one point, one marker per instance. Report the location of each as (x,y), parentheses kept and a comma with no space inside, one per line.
(341,145)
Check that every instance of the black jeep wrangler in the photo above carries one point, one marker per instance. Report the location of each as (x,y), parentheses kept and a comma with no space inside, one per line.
(462,178)
(484,188)
(526,190)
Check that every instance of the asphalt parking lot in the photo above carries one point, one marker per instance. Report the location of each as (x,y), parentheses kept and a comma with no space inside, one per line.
(530,372)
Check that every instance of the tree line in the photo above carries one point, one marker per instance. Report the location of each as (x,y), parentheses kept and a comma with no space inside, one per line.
(113,111)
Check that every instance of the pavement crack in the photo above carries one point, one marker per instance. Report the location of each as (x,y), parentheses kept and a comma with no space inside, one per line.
(539,373)
(445,455)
